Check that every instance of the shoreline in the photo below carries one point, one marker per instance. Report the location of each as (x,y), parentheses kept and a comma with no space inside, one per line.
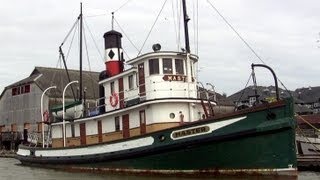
(7,154)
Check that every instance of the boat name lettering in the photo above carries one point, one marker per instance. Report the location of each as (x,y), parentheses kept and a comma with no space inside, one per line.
(189,132)
(174,78)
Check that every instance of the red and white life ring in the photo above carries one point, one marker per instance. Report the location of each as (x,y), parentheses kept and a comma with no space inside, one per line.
(114,99)
(46,116)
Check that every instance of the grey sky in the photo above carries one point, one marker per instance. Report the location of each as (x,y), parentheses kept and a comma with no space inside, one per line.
(283,33)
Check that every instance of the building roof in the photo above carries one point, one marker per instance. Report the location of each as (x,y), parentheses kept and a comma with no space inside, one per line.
(45,77)
(312,119)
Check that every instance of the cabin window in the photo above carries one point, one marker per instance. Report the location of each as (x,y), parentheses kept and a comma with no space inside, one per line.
(179,66)
(130,81)
(117,123)
(112,87)
(153,66)
(142,117)
(167,66)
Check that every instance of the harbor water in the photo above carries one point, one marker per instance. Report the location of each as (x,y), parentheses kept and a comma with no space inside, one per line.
(11,169)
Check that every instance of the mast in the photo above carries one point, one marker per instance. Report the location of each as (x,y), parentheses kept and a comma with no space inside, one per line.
(186,31)
(80,53)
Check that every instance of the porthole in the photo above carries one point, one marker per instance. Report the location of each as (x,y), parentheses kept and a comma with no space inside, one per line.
(172,115)
(161,138)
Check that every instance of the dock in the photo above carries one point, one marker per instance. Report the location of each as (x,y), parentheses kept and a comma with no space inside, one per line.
(308,162)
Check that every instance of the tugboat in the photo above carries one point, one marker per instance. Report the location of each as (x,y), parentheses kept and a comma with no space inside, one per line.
(151,120)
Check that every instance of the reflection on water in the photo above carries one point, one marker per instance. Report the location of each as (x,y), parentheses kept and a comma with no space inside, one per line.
(10,169)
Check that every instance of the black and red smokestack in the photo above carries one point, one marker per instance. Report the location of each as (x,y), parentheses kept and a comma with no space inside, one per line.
(113,53)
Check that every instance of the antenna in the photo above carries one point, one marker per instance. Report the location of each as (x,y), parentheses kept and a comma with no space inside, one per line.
(112,21)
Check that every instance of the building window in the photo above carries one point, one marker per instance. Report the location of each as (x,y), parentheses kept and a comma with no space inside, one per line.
(27,88)
(117,123)
(130,81)
(14,91)
(21,89)
(179,66)
(167,66)
(153,66)
(112,87)
(252,100)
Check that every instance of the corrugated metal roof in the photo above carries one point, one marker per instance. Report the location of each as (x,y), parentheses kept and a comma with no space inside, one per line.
(45,77)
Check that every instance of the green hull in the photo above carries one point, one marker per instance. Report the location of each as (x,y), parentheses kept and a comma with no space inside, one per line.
(254,141)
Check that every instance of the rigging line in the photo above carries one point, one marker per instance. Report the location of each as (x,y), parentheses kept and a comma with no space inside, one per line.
(235,31)
(94,42)
(126,54)
(245,42)
(70,46)
(194,26)
(126,35)
(179,22)
(87,53)
(152,27)
(73,26)
(122,5)
(105,14)
(245,87)
(197,47)
(174,23)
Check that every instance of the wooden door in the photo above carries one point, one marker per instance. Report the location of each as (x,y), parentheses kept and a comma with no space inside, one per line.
(125,126)
(100,131)
(142,86)
(142,122)
(121,93)
(83,133)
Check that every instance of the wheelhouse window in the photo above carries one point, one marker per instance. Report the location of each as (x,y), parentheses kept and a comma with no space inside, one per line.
(153,66)
(167,65)
(179,66)
(112,87)
(130,81)
(117,123)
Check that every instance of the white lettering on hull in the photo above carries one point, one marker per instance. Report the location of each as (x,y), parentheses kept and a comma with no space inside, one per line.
(202,129)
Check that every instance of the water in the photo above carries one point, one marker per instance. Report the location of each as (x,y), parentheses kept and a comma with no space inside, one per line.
(10,169)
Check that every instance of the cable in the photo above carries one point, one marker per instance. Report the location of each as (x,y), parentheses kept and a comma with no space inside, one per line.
(245,87)
(95,43)
(122,6)
(235,31)
(152,28)
(126,35)
(175,23)
(73,26)
(244,41)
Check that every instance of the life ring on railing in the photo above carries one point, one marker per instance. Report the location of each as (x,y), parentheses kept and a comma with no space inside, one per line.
(114,99)
(46,116)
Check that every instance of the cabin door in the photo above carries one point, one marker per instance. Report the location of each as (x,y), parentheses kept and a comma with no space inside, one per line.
(142,86)
(125,126)
(142,122)
(83,133)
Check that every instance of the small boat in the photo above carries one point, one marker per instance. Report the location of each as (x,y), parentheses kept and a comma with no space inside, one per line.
(152,120)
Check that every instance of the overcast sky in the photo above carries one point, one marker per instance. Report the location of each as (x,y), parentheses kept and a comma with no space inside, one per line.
(284,33)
